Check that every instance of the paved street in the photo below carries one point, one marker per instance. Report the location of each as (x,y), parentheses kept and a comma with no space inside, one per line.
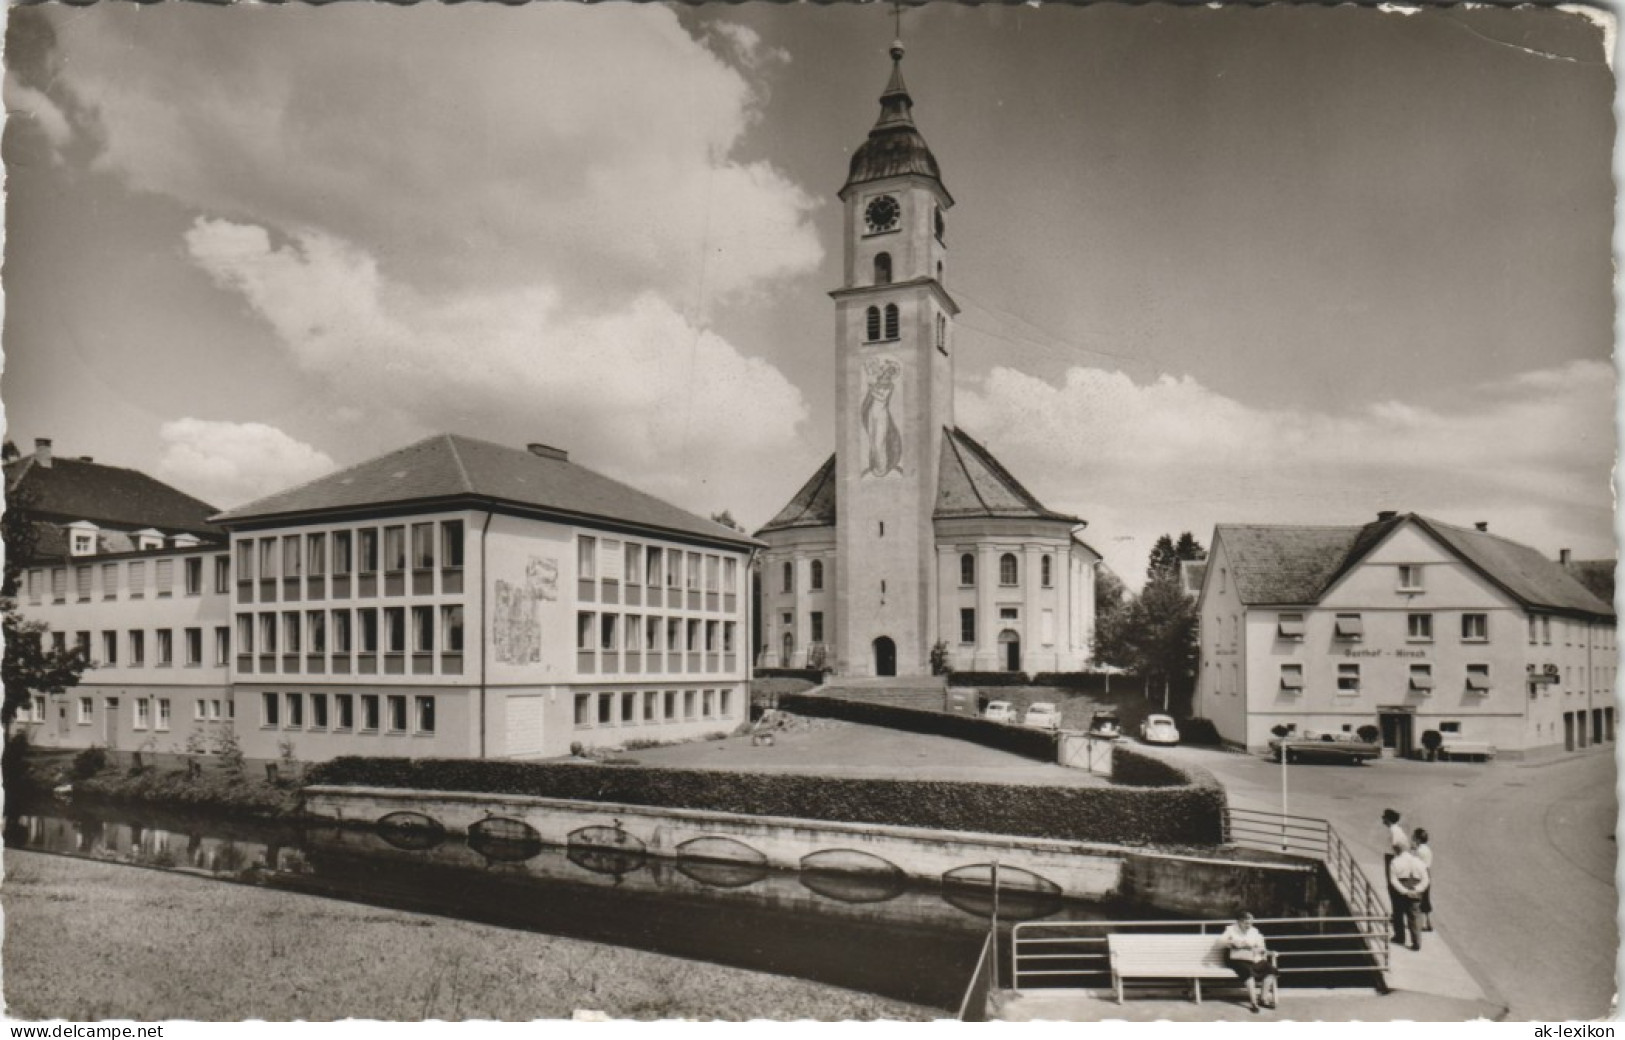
(1524,855)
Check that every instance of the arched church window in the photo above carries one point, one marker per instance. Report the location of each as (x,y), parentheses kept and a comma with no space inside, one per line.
(1048,572)
(967,569)
(873,327)
(891,321)
(789,576)
(815,575)
(1007,569)
(882,268)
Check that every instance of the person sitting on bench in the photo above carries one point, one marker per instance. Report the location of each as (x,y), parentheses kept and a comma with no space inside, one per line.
(1251,960)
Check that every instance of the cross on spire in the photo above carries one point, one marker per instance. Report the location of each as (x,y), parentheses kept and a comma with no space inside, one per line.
(897,19)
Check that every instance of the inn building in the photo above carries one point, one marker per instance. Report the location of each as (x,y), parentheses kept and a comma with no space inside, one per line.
(912,534)
(1408,624)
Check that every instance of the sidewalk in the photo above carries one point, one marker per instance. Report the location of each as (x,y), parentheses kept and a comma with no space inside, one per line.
(1302,1005)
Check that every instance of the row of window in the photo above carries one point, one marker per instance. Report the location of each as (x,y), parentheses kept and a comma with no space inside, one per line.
(1009,572)
(643,707)
(1350,627)
(613,560)
(367,629)
(608,631)
(148,712)
(350,712)
(134,645)
(1477,679)
(357,551)
(109,579)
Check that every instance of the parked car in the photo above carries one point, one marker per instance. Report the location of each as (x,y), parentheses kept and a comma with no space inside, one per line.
(999,711)
(1159,729)
(1042,715)
(1327,747)
(1105,724)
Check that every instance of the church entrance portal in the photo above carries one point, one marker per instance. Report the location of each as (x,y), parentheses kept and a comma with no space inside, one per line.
(885,656)
(1011,645)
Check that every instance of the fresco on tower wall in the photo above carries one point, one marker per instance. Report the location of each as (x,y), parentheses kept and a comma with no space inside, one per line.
(882,441)
(516,629)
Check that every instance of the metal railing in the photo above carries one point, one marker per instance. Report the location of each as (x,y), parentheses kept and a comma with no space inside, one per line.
(1047,954)
(973,1008)
(1314,839)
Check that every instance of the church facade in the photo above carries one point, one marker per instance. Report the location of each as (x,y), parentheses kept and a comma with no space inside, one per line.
(913,536)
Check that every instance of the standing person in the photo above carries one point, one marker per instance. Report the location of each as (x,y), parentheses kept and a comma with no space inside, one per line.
(1409,880)
(1251,959)
(1424,852)
(1397,843)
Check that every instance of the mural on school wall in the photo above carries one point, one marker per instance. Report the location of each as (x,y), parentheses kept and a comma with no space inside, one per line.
(883,442)
(516,627)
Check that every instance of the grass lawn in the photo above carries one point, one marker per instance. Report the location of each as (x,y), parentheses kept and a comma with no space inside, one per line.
(89,941)
(831,748)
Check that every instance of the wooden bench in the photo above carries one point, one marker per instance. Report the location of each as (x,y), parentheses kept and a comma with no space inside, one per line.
(1454,749)
(1184,957)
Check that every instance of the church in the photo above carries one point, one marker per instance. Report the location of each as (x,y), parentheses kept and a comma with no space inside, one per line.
(912,537)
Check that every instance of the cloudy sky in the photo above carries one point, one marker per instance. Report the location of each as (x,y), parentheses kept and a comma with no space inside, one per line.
(1249,264)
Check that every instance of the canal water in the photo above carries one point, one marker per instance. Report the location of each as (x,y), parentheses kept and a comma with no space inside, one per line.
(884,934)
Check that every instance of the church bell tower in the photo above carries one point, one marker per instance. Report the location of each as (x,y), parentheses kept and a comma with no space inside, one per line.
(894,392)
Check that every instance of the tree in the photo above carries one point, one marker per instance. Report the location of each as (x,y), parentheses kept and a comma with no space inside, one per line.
(28,667)
(1109,592)
(1167,554)
(726,519)
(1155,635)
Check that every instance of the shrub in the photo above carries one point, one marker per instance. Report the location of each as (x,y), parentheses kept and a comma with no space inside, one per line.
(988,679)
(1018,740)
(939,658)
(216,792)
(1188,813)
(1201,732)
(1084,682)
(1368,733)
(812,675)
(88,763)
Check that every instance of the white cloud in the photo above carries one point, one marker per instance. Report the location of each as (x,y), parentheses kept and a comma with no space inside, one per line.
(584,146)
(746,45)
(1531,455)
(229,463)
(640,393)
(25,102)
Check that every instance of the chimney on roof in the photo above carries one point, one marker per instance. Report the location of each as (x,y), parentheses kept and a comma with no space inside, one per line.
(42,452)
(1563,556)
(548,452)
(1387,514)
(1482,525)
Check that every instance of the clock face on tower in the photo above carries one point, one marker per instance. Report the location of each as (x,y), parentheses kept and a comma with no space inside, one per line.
(881,213)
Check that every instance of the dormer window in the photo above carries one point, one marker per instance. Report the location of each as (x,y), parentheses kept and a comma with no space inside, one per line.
(148,539)
(82,538)
(882,268)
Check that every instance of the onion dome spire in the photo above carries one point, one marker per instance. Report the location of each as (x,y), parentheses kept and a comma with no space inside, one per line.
(894,147)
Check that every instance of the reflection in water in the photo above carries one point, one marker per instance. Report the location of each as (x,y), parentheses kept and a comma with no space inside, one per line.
(855,888)
(721,875)
(411,831)
(601,837)
(613,862)
(875,931)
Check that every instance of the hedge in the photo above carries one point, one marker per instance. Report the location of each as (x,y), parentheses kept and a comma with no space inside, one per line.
(1188,814)
(1018,740)
(812,675)
(1086,682)
(1199,731)
(988,679)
